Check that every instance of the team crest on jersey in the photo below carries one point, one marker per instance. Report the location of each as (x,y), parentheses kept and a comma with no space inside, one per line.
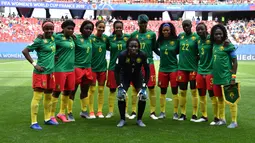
(64,38)
(208,42)
(172,43)
(82,40)
(136,36)
(127,60)
(138,60)
(148,36)
(125,38)
(45,41)
(44,83)
(58,87)
(193,38)
(221,48)
(182,37)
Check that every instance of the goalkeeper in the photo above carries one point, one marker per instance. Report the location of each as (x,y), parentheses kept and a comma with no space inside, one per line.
(127,70)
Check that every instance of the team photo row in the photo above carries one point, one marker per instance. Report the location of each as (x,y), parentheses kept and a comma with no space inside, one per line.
(204,59)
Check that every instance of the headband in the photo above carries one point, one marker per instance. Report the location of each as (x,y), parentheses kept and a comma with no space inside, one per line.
(166,25)
(50,23)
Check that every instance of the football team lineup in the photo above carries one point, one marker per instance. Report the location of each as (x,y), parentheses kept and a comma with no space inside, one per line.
(68,61)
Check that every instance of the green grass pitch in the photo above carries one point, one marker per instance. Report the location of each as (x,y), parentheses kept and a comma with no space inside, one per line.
(16,95)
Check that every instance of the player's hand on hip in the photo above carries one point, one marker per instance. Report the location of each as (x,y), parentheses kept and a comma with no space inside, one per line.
(39,68)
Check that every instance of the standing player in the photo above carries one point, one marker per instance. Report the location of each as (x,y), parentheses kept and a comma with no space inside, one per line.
(43,82)
(64,69)
(117,44)
(147,38)
(127,70)
(188,62)
(204,77)
(100,44)
(224,71)
(169,47)
(82,64)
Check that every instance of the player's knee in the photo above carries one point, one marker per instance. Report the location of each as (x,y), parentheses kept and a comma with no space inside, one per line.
(151,87)
(193,84)
(112,90)
(174,90)
(183,85)
(92,88)
(163,90)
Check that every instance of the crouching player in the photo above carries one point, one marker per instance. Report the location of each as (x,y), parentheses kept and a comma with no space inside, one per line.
(127,70)
(43,82)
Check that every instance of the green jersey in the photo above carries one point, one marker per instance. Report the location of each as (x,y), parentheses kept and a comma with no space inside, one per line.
(168,55)
(65,53)
(222,64)
(45,50)
(205,56)
(116,46)
(147,41)
(188,52)
(83,52)
(99,47)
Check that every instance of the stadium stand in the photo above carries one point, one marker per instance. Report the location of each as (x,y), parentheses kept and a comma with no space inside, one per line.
(26,29)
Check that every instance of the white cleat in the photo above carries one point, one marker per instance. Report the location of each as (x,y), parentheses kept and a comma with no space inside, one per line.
(109,115)
(162,115)
(127,115)
(153,116)
(175,116)
(133,115)
(202,119)
(100,115)
(214,122)
(92,116)
(221,122)
(233,125)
